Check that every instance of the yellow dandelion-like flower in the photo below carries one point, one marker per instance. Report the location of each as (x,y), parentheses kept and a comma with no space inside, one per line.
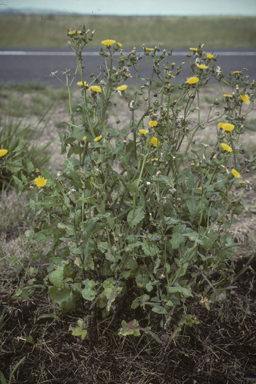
(192,163)
(81,83)
(209,56)
(79,32)
(155,141)
(228,127)
(173,64)
(235,173)
(72,32)
(143,131)
(200,188)
(227,95)
(119,45)
(226,147)
(236,72)
(40,182)
(192,80)
(221,125)
(245,99)
(202,66)
(155,159)
(37,170)
(241,182)
(193,49)
(149,49)
(108,42)
(121,88)
(98,138)
(95,88)
(152,123)
(84,138)
(3,152)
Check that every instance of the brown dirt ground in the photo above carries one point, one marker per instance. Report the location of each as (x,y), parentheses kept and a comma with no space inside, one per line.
(221,349)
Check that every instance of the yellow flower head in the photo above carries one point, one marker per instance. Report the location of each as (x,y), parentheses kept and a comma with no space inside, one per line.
(149,49)
(40,182)
(98,138)
(226,147)
(119,45)
(245,99)
(209,56)
(152,123)
(227,95)
(202,66)
(143,131)
(221,125)
(235,173)
(3,152)
(192,80)
(228,127)
(236,72)
(155,159)
(108,42)
(155,141)
(81,83)
(84,138)
(122,88)
(95,88)
(200,188)
(72,32)
(37,170)
(173,64)
(193,49)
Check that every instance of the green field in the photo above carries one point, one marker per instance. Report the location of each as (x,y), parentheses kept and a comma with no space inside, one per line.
(50,30)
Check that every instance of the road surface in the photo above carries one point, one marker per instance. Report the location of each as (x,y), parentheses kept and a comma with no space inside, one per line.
(31,64)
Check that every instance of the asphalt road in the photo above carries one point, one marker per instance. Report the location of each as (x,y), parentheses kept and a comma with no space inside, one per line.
(31,64)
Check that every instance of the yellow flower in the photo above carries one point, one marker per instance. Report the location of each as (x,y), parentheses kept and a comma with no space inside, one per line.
(143,131)
(95,88)
(3,152)
(193,49)
(72,32)
(155,141)
(226,147)
(209,56)
(79,32)
(149,49)
(155,159)
(192,163)
(192,80)
(245,99)
(119,45)
(122,88)
(241,182)
(37,170)
(173,64)
(200,188)
(236,72)
(40,182)
(226,126)
(235,173)
(226,95)
(81,83)
(108,42)
(98,138)
(152,123)
(84,138)
(202,66)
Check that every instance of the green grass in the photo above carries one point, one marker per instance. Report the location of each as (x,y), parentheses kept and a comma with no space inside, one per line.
(50,30)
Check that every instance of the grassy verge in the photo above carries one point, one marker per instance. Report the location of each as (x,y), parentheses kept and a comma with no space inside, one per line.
(48,30)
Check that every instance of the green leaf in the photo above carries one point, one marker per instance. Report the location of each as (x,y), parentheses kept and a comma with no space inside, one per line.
(64,297)
(135,218)
(184,291)
(56,278)
(176,240)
